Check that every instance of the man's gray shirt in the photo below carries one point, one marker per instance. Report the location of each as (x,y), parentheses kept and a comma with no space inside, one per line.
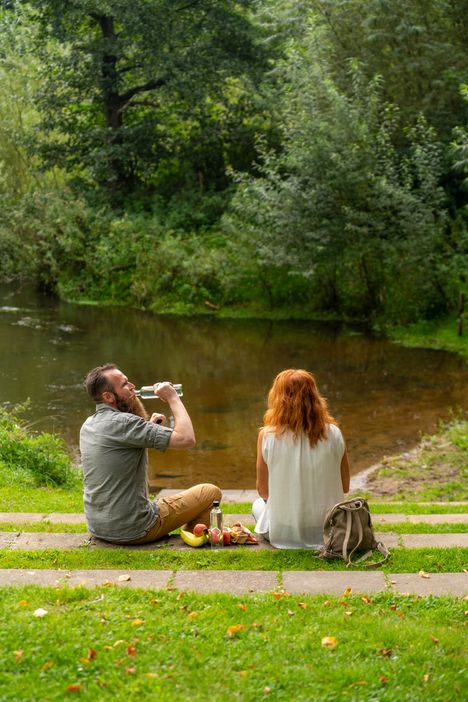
(114,455)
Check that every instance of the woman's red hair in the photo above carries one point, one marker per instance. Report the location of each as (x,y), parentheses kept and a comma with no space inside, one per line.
(295,404)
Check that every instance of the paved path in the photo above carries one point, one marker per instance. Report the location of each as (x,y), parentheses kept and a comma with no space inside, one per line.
(246,582)
(78,518)
(234,582)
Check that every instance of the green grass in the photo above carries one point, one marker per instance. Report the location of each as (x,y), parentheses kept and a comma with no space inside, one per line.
(237,558)
(376,507)
(405,528)
(44,527)
(16,498)
(441,334)
(122,644)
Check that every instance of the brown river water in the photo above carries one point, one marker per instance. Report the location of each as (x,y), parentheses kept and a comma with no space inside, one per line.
(384,396)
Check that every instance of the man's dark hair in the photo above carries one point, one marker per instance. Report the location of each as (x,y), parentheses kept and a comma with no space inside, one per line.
(96,381)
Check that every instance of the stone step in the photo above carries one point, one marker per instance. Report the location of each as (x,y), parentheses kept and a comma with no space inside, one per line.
(43,540)
(69,518)
(237,582)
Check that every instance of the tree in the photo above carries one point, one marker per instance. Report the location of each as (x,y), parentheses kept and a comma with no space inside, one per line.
(128,85)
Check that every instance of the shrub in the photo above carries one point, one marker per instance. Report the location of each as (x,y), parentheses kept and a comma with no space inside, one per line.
(41,459)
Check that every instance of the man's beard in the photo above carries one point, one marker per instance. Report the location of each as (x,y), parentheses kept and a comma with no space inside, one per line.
(133,406)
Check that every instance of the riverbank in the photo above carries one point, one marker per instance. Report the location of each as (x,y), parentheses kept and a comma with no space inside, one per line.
(439,334)
(436,469)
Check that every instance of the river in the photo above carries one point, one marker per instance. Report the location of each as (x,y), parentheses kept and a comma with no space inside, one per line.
(383,395)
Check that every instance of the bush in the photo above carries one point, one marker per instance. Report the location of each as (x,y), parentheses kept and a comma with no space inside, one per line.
(39,459)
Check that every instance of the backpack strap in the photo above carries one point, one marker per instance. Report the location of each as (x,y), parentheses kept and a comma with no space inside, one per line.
(383,550)
(349,520)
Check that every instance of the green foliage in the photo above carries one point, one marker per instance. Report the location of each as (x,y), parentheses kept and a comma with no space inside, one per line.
(141,122)
(39,460)
(341,208)
(133,93)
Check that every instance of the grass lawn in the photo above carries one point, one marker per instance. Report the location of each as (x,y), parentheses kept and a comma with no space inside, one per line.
(161,645)
(431,560)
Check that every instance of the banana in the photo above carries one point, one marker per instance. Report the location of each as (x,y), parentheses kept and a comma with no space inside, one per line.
(192,540)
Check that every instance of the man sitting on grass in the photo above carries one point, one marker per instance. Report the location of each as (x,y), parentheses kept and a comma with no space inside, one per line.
(113,445)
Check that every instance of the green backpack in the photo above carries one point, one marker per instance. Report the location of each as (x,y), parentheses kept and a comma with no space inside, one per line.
(348,528)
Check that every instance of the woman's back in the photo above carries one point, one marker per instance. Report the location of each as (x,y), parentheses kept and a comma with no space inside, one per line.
(303,482)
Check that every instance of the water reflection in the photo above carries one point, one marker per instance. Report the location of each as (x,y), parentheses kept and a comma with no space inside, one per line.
(384,396)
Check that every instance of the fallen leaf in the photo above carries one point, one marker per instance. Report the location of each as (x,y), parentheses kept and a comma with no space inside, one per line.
(434,639)
(234,628)
(347,592)
(255,625)
(131,671)
(150,675)
(349,613)
(327,603)
(180,595)
(366,599)
(92,653)
(74,688)
(426,677)
(423,574)
(291,613)
(266,690)
(84,660)
(40,612)
(383,679)
(117,643)
(243,607)
(393,607)
(302,605)
(385,651)
(18,655)
(138,622)
(131,650)
(242,673)
(108,583)
(154,601)
(108,648)
(278,595)
(329,642)
(183,607)
(358,682)
(23,603)
(192,615)
(124,578)
(47,665)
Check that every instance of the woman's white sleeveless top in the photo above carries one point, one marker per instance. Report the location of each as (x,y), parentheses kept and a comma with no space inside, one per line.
(303,482)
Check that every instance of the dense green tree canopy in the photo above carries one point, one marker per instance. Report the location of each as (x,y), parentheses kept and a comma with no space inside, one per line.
(178,154)
(130,88)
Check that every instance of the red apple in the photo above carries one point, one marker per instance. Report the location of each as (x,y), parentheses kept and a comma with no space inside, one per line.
(226,537)
(215,535)
(199,529)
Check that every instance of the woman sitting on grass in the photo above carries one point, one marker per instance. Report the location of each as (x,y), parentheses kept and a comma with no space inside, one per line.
(302,464)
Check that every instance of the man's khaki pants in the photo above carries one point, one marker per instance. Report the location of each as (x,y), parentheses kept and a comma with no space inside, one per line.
(189,507)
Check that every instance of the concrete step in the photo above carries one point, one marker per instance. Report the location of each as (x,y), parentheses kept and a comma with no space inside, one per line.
(33,541)
(237,582)
(69,518)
